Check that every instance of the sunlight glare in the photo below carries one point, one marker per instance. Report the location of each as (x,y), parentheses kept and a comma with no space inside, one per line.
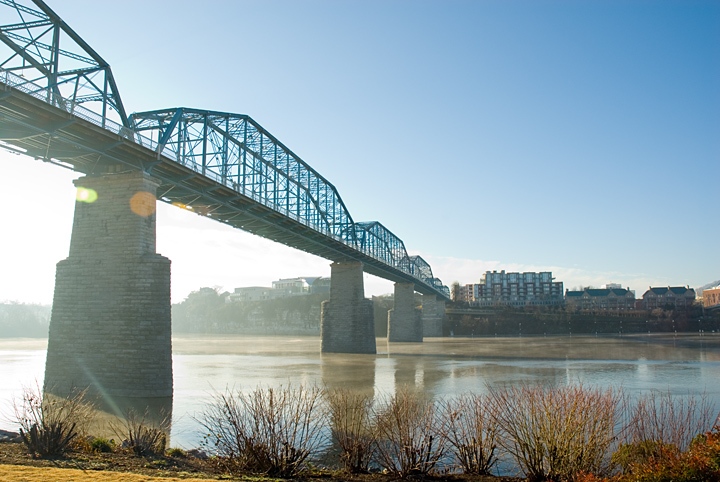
(86,195)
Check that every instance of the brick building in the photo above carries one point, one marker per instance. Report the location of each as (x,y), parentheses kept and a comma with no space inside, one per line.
(711,297)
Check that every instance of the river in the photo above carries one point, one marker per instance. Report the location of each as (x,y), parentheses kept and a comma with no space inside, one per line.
(204,364)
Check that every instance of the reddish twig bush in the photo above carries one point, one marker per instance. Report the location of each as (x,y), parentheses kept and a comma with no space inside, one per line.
(410,437)
(556,433)
(351,421)
(470,425)
(272,431)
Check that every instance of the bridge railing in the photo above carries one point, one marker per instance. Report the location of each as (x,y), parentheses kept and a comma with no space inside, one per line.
(47,95)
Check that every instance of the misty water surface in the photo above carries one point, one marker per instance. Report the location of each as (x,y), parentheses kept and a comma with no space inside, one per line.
(681,364)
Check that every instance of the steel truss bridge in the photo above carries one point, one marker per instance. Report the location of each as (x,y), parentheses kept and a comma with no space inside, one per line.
(59,103)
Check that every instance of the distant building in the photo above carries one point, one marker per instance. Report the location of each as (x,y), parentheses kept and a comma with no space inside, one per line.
(515,289)
(291,286)
(711,297)
(250,293)
(671,297)
(616,299)
(282,288)
(320,286)
(612,286)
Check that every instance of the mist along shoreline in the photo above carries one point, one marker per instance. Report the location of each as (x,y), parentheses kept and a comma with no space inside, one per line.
(305,350)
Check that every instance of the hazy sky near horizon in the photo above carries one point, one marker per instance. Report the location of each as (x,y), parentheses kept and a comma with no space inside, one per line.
(580,137)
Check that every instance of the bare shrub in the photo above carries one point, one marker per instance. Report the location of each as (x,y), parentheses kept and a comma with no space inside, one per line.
(670,419)
(143,434)
(273,431)
(472,432)
(49,425)
(350,415)
(410,438)
(555,433)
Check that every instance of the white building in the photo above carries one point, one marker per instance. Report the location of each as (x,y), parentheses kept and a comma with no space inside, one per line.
(515,289)
(282,288)
(250,293)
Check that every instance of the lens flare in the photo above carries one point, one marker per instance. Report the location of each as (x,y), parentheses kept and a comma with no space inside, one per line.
(183,206)
(86,195)
(142,203)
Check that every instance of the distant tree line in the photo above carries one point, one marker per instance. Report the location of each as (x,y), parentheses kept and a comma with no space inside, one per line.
(208,311)
(24,320)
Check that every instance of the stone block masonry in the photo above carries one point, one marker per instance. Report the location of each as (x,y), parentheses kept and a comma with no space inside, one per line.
(110,328)
(346,321)
(433,312)
(405,320)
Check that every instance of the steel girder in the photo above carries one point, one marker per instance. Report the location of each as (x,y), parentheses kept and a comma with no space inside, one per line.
(227,166)
(30,40)
(237,152)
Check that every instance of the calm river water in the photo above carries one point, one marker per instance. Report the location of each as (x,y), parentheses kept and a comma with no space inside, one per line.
(682,364)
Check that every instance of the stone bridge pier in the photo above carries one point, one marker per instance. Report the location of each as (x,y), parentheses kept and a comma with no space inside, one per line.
(110,325)
(433,312)
(404,319)
(347,324)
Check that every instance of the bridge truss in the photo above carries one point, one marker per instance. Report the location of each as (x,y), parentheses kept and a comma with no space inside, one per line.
(62,105)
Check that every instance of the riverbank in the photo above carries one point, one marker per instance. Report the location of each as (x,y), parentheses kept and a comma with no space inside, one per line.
(123,466)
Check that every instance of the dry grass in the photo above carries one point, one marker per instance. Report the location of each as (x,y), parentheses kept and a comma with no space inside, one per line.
(49,425)
(22,473)
(143,435)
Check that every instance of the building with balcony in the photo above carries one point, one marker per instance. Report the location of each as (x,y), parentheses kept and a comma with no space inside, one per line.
(515,289)
(671,297)
(596,299)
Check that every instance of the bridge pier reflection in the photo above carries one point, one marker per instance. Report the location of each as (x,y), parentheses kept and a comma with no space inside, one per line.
(347,324)
(404,319)
(350,372)
(110,324)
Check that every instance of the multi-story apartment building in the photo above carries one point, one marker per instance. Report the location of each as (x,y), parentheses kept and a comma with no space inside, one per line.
(673,297)
(618,299)
(515,289)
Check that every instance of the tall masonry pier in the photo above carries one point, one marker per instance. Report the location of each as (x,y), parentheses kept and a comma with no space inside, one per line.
(110,325)
(346,321)
(405,320)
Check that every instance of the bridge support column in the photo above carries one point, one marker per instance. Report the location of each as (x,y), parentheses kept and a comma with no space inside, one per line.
(110,324)
(347,324)
(404,320)
(433,312)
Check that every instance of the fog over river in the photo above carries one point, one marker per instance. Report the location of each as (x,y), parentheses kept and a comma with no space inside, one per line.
(681,364)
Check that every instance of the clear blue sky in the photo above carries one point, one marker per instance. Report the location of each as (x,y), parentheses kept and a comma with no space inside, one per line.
(581,137)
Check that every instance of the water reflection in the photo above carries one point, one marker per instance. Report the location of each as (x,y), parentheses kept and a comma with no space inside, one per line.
(348,372)
(441,367)
(111,418)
